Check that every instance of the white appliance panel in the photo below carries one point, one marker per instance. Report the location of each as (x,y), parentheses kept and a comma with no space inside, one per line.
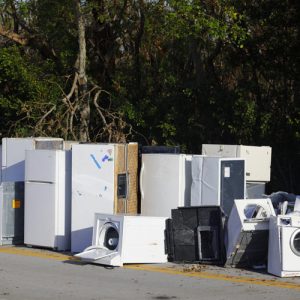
(41,165)
(137,234)
(13,155)
(258,158)
(165,182)
(92,189)
(13,158)
(220,150)
(40,210)
(160,179)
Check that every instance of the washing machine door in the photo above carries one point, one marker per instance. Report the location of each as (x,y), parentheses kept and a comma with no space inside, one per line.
(106,249)
(295,242)
(107,236)
(290,245)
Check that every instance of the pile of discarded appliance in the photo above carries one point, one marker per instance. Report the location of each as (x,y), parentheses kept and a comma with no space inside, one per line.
(114,204)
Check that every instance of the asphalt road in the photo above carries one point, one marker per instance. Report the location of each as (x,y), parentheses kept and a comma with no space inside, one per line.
(40,274)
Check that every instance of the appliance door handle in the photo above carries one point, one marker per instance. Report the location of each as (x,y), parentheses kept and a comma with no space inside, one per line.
(141,180)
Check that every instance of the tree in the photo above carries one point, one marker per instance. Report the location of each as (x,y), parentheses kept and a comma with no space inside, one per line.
(167,72)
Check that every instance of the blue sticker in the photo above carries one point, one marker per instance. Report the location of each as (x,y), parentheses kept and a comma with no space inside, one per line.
(104,158)
(95,161)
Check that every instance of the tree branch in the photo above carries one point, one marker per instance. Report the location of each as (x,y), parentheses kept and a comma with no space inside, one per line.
(17,38)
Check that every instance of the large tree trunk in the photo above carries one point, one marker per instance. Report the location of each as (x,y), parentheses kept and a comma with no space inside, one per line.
(84,95)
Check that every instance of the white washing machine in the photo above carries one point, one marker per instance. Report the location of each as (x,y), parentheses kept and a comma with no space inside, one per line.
(284,245)
(121,239)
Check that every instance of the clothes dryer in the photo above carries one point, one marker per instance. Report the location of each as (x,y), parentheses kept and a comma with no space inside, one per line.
(120,239)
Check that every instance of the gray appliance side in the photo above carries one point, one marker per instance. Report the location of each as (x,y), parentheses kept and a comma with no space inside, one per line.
(255,190)
(12,213)
(68,196)
(188,180)
(232,231)
(210,181)
(49,143)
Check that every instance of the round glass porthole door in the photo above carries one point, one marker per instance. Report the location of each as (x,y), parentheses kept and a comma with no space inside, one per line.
(295,242)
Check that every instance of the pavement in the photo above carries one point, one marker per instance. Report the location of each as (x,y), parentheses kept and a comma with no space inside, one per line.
(29,273)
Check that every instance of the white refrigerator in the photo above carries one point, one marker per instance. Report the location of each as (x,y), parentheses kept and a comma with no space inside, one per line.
(12,184)
(104,180)
(165,183)
(48,199)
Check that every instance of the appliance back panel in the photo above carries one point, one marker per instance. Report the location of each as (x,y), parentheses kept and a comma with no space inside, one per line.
(184,218)
(195,234)
(186,253)
(210,216)
(184,237)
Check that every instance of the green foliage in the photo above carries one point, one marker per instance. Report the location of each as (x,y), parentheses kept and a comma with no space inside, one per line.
(22,92)
(55,23)
(179,71)
(192,19)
